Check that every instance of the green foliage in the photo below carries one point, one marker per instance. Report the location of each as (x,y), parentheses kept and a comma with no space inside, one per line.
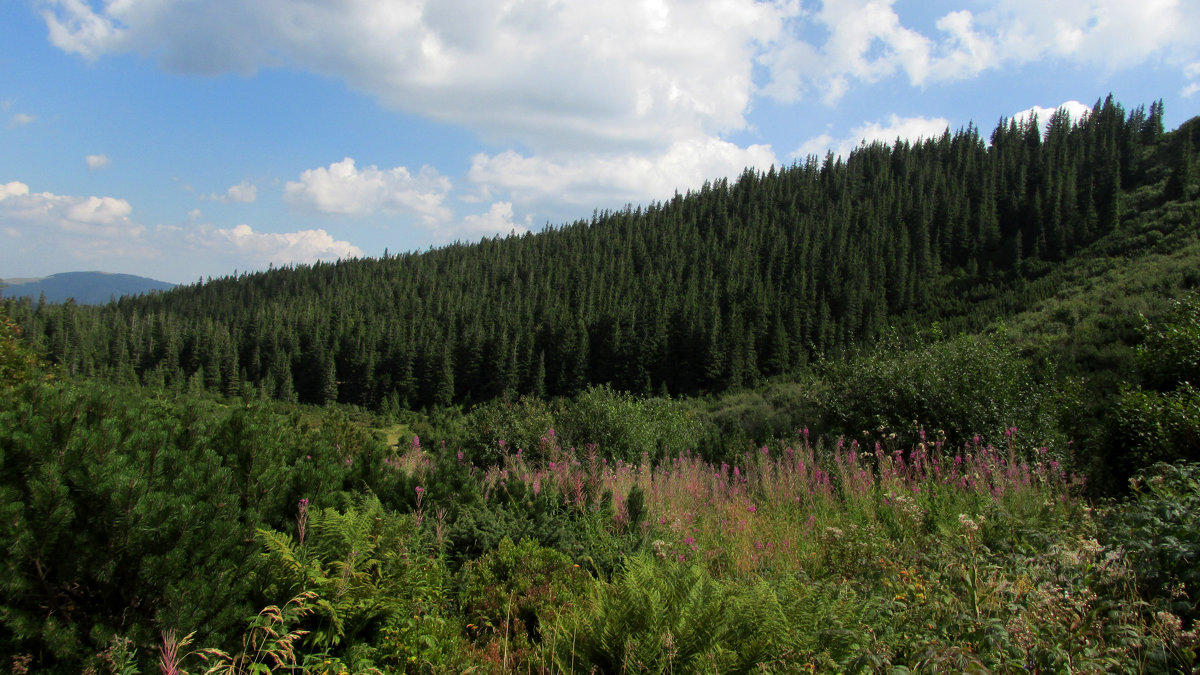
(17,362)
(664,616)
(368,572)
(515,594)
(513,511)
(1150,426)
(1158,529)
(626,427)
(1170,352)
(738,281)
(1163,423)
(268,643)
(964,385)
(503,425)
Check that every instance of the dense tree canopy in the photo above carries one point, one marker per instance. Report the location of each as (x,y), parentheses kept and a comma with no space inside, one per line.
(718,288)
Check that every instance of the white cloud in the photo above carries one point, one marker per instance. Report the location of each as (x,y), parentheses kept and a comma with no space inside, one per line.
(497,220)
(1076,110)
(622,75)
(98,233)
(261,248)
(244,192)
(104,217)
(344,189)
(68,231)
(594,179)
(905,128)
(20,120)
(868,41)
(1192,72)
(543,72)
(95,162)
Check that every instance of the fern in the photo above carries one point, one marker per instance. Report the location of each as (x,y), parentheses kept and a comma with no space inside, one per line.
(654,617)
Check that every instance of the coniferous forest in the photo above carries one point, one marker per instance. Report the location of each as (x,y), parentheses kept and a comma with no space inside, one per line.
(929,407)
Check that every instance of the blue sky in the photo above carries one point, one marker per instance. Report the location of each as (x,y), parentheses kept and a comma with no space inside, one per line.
(178,139)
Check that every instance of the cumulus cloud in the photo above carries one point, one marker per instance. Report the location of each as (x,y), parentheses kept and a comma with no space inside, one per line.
(95,162)
(261,248)
(44,227)
(904,128)
(868,41)
(497,220)
(1074,109)
(106,217)
(593,179)
(344,189)
(628,72)
(244,192)
(623,74)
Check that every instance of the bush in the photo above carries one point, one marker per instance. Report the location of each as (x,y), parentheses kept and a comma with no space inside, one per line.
(515,592)
(662,616)
(625,427)
(1158,528)
(965,385)
(1154,427)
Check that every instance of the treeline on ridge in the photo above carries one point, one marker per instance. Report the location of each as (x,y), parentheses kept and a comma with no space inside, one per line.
(715,289)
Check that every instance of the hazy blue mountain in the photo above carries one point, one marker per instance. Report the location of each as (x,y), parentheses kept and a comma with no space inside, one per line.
(87,288)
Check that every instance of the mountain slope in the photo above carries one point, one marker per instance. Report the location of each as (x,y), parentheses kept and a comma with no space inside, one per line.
(717,289)
(86,288)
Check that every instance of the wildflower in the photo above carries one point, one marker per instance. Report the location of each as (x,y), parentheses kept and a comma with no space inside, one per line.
(968,523)
(416,443)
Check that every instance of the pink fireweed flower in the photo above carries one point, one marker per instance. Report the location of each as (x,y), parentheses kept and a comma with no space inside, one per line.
(416,443)
(752,508)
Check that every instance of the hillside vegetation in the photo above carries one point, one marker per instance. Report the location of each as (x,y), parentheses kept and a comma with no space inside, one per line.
(717,289)
(928,409)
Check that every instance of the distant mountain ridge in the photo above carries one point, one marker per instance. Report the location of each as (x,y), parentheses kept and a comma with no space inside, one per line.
(87,288)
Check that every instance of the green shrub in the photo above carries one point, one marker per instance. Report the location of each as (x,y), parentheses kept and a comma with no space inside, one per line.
(514,594)
(503,425)
(625,427)
(964,385)
(1170,352)
(1150,426)
(1158,529)
(663,616)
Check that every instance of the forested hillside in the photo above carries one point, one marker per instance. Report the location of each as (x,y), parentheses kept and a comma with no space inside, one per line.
(945,420)
(722,287)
